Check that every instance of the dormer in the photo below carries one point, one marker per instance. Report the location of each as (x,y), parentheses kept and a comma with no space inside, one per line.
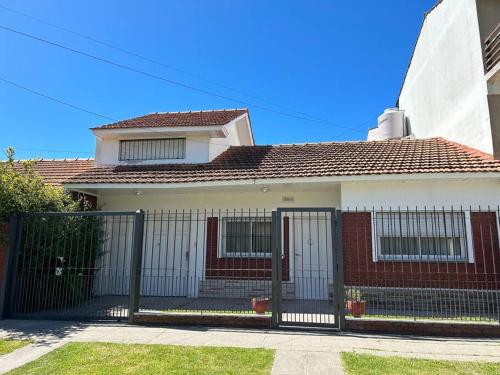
(172,137)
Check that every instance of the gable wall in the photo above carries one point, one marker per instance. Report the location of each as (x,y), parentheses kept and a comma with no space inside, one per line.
(445,93)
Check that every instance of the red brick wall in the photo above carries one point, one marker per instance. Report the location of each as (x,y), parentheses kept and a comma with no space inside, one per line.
(241,268)
(361,270)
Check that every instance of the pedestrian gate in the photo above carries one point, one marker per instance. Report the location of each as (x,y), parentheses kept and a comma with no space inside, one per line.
(306,268)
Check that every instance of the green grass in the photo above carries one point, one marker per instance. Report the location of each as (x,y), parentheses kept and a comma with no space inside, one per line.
(8,345)
(366,364)
(104,358)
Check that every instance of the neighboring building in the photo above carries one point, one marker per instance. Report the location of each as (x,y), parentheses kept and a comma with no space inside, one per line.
(56,171)
(452,85)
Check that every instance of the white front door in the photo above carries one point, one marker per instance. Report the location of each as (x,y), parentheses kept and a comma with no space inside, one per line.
(166,258)
(311,255)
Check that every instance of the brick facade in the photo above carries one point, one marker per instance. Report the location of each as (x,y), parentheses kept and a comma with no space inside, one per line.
(241,268)
(361,270)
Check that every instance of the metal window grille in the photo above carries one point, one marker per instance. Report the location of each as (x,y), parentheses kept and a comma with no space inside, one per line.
(153,149)
(246,236)
(421,235)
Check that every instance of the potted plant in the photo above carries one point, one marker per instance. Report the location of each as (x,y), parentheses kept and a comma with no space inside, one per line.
(260,304)
(355,303)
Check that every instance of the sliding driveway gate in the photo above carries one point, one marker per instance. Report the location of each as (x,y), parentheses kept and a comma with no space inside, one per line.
(70,265)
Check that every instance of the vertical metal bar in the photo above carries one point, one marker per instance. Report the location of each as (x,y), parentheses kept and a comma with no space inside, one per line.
(276,270)
(135,267)
(9,266)
(339,295)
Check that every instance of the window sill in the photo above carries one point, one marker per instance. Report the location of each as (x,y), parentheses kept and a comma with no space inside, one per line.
(423,260)
(246,256)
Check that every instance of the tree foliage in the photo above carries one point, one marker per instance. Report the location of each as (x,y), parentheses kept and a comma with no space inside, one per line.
(22,189)
(57,254)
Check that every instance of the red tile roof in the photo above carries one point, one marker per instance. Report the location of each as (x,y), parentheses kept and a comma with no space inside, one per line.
(192,118)
(434,155)
(55,172)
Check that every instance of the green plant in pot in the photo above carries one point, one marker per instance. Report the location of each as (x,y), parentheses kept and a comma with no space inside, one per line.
(355,303)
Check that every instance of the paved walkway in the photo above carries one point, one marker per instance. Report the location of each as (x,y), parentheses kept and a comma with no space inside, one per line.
(297,352)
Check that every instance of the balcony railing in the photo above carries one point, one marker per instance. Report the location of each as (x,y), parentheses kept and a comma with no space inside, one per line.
(492,48)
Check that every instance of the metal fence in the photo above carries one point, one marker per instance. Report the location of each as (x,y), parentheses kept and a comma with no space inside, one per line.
(298,266)
(70,265)
(492,48)
(439,264)
(220,262)
(205,261)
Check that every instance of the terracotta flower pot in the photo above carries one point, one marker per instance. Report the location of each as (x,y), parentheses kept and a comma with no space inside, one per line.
(260,304)
(357,308)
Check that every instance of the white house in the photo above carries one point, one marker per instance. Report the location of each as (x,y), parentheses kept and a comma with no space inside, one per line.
(209,192)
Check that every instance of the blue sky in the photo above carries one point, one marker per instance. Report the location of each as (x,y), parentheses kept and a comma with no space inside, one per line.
(341,62)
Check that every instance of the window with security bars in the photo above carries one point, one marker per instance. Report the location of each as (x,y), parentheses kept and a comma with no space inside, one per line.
(432,236)
(153,149)
(246,237)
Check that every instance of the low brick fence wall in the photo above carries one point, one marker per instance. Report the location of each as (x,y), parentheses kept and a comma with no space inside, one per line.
(422,328)
(242,321)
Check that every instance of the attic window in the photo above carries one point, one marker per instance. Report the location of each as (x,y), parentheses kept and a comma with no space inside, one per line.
(153,149)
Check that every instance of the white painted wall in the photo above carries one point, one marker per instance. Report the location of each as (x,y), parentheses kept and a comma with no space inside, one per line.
(234,198)
(445,92)
(447,193)
(219,145)
(203,144)
(197,151)
(176,267)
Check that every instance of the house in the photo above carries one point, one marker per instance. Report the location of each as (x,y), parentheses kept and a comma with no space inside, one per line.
(452,84)
(416,213)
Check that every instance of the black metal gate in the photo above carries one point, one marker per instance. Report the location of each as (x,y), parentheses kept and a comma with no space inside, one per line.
(307,279)
(71,265)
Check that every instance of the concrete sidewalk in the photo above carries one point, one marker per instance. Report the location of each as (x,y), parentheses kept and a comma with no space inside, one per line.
(297,352)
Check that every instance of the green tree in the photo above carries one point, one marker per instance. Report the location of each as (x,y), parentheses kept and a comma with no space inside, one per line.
(56,253)
(22,189)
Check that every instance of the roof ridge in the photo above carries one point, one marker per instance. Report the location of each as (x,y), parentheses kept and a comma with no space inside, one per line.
(52,159)
(182,118)
(200,111)
(345,142)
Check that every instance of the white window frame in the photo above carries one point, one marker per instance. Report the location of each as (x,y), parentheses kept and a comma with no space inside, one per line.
(178,153)
(467,247)
(247,254)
